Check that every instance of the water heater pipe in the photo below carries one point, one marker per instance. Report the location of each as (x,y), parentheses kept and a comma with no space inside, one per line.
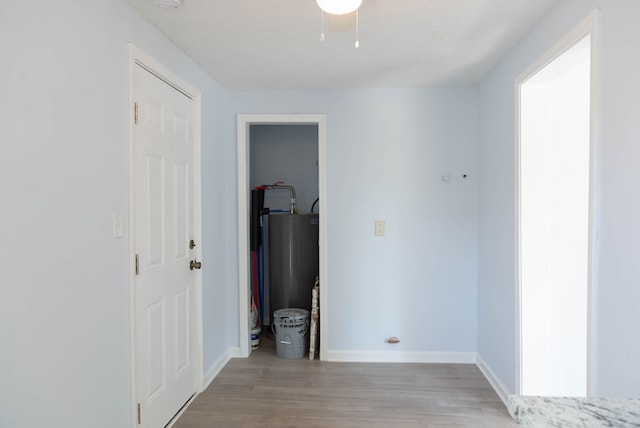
(291,190)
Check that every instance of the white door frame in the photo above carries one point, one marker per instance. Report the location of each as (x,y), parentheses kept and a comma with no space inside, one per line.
(244,206)
(137,57)
(589,26)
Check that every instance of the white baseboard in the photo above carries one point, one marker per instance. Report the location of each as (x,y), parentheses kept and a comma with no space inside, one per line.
(401,357)
(495,382)
(210,375)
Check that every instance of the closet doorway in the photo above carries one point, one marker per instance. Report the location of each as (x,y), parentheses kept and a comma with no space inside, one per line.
(245,125)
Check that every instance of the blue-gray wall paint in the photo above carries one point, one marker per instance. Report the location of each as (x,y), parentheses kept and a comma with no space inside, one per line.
(286,153)
(387,150)
(64,170)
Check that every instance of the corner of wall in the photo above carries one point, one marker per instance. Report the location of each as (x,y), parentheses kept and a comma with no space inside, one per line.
(495,382)
(218,365)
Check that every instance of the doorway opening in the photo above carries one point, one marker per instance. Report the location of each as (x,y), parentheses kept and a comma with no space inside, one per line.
(555,194)
(258,139)
(285,222)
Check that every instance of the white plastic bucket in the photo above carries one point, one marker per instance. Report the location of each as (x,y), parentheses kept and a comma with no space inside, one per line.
(290,327)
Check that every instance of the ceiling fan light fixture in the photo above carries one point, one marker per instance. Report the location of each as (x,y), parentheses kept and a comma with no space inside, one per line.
(339,7)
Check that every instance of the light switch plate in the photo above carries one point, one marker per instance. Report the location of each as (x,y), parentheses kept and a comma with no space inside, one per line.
(379,229)
(117,225)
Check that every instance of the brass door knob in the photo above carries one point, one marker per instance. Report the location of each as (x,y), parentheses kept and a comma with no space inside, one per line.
(195,265)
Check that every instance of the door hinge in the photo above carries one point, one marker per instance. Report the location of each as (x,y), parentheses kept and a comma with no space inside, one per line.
(139,416)
(135,113)
(137,264)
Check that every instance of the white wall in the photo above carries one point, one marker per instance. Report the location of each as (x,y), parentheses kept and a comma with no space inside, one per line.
(286,153)
(64,169)
(616,350)
(387,150)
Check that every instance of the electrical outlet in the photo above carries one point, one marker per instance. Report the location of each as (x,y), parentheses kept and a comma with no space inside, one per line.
(379,229)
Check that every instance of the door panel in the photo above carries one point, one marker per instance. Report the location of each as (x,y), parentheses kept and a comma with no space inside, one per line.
(154,194)
(163,156)
(155,321)
(181,191)
(182,331)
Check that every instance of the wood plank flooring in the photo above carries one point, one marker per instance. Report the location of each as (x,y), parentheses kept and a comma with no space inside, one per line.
(266,391)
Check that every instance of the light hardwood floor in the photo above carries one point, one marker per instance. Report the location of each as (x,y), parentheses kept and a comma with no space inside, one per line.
(266,391)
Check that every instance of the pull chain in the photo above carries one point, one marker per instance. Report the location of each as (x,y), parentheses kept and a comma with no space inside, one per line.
(322,23)
(357,28)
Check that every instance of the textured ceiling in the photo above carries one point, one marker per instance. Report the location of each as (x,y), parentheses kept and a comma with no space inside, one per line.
(275,44)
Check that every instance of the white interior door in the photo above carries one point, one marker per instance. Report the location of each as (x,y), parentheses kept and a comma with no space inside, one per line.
(163,176)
